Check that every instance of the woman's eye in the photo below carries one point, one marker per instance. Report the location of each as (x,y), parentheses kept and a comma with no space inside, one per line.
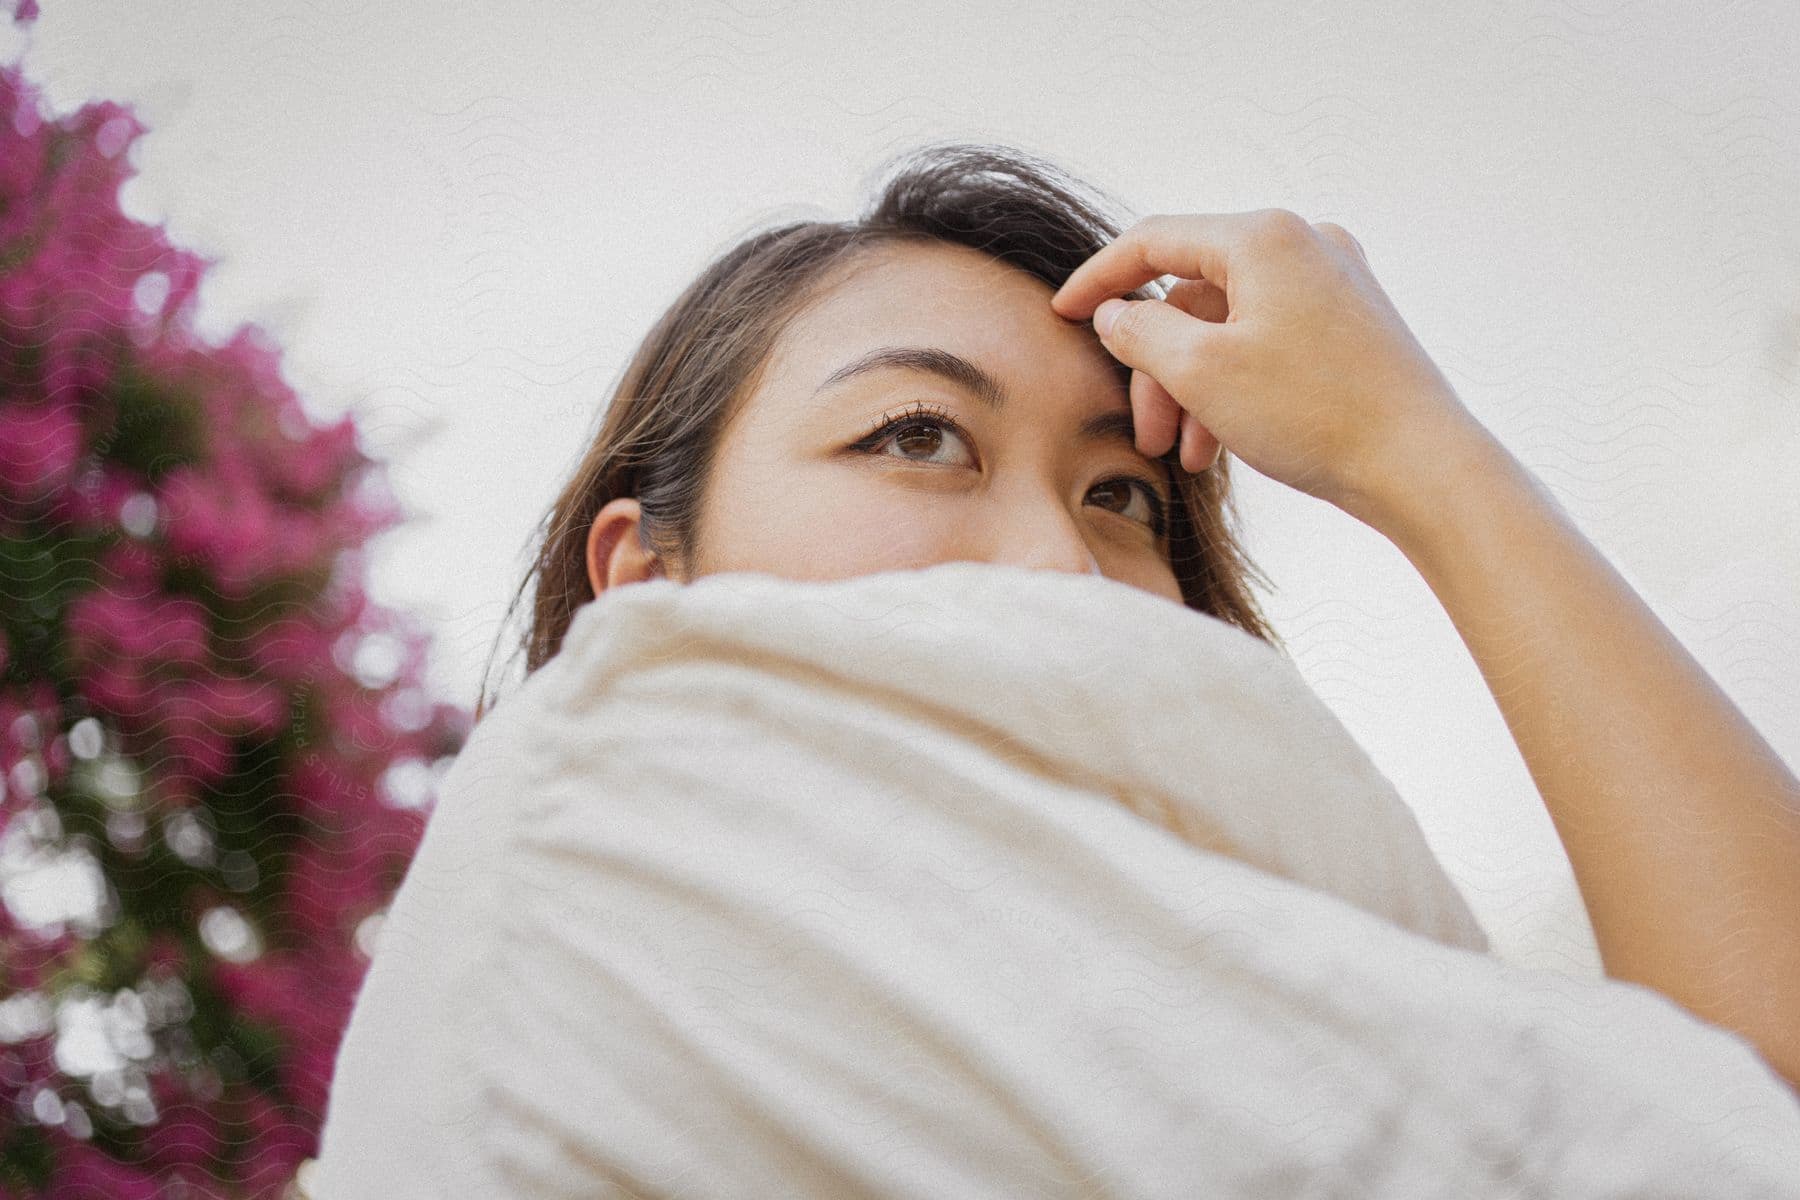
(918,438)
(1126,487)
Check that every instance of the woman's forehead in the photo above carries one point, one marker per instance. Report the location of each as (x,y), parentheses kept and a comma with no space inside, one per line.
(945,296)
(896,276)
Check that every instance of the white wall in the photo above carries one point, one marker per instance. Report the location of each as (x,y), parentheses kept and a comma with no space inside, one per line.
(459,218)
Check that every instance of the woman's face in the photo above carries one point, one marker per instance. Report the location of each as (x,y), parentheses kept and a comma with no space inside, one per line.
(800,490)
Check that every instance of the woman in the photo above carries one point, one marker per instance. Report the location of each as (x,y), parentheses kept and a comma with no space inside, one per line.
(956,377)
(684,461)
(769,423)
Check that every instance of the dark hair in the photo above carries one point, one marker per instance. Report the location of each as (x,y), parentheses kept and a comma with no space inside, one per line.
(704,354)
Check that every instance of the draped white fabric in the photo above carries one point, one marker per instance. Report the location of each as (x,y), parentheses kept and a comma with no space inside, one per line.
(977,881)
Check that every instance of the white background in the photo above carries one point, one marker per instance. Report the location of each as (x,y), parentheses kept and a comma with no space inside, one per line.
(460,218)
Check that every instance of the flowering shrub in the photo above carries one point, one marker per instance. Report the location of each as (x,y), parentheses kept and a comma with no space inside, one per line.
(204,721)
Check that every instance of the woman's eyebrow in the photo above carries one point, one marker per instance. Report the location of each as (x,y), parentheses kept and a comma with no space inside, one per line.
(1112,425)
(928,359)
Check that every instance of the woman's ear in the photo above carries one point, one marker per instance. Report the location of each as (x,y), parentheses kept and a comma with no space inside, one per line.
(613,553)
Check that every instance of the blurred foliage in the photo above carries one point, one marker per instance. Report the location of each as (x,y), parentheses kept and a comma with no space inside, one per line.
(202,715)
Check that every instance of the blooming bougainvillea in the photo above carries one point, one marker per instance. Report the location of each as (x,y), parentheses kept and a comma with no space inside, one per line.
(216,754)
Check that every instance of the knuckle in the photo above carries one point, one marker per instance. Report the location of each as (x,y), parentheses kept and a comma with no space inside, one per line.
(1281,226)
(1148,229)
(1343,237)
(1136,241)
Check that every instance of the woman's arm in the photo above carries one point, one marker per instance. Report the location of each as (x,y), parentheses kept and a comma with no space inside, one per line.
(1681,823)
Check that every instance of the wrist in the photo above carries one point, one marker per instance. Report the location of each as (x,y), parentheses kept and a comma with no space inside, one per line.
(1427,476)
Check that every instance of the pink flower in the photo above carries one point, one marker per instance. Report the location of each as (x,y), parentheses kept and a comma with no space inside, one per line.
(223,518)
(57,756)
(307,467)
(77,355)
(269,989)
(26,1066)
(327,888)
(306,1077)
(29,957)
(277,1141)
(356,714)
(102,622)
(297,542)
(324,788)
(39,446)
(185,270)
(180,628)
(167,629)
(117,686)
(248,492)
(20,167)
(312,1048)
(291,650)
(238,705)
(130,568)
(195,518)
(191,739)
(99,493)
(306,997)
(187,1131)
(82,1172)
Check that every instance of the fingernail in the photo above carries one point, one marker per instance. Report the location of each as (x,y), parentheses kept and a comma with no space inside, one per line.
(1107,315)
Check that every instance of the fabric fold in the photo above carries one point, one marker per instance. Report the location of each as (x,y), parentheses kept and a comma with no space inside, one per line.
(978,881)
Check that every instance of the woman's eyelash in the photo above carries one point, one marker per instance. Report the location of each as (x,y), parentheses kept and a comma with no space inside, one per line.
(920,412)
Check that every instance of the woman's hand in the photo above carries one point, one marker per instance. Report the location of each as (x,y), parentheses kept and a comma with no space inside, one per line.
(1276,342)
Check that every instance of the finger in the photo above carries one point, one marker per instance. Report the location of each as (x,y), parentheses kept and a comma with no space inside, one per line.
(1154,414)
(1199,448)
(1191,245)
(1179,350)
(1202,299)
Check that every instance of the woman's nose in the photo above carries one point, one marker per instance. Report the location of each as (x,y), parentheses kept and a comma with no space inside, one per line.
(1046,538)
